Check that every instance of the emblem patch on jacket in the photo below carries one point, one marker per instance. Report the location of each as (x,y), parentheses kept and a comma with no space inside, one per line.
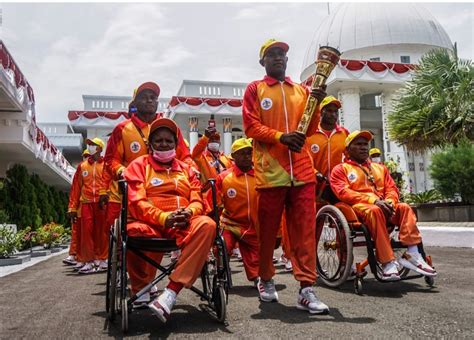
(135,147)
(315,148)
(156,181)
(85,173)
(231,192)
(266,103)
(352,176)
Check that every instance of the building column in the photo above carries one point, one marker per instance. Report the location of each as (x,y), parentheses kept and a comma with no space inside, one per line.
(391,149)
(193,132)
(349,113)
(227,122)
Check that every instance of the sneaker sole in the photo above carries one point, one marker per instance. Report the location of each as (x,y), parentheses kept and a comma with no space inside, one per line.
(267,300)
(312,311)
(158,312)
(391,278)
(411,266)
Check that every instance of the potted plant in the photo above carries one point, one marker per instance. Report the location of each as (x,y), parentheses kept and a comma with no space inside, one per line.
(49,235)
(9,243)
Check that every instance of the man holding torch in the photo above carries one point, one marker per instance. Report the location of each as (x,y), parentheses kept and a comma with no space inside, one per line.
(272,111)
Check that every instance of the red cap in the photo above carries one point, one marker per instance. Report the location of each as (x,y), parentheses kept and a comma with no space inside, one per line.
(164,122)
(148,86)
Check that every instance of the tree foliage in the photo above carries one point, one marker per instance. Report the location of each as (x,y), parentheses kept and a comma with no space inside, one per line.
(435,108)
(452,171)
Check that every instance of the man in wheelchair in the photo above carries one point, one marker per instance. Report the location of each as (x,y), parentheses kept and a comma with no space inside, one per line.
(165,202)
(374,197)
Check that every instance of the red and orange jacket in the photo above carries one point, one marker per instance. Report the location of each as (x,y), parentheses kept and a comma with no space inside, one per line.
(155,191)
(327,152)
(126,144)
(351,183)
(207,163)
(271,108)
(236,190)
(86,183)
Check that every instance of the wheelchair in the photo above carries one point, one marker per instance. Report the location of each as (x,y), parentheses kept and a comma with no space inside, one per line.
(338,232)
(215,275)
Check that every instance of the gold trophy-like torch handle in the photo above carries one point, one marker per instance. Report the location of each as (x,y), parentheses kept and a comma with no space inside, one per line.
(328,57)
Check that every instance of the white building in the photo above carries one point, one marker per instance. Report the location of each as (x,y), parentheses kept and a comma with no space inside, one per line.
(379,43)
(21,140)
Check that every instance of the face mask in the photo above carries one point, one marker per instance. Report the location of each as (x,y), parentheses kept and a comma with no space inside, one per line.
(92,149)
(376,159)
(164,156)
(214,147)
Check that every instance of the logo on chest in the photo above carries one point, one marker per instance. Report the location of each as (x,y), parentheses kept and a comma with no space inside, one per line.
(231,193)
(135,147)
(156,181)
(266,103)
(315,148)
(85,173)
(352,176)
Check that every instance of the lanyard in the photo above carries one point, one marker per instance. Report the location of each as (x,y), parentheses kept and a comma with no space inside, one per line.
(145,140)
(369,175)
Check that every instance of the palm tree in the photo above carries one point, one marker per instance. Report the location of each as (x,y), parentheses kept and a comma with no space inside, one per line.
(435,108)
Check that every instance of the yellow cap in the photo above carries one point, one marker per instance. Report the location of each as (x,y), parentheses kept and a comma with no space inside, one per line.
(374,151)
(353,135)
(96,141)
(86,153)
(241,143)
(272,43)
(330,100)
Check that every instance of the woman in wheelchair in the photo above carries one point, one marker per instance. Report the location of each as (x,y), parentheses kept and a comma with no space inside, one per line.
(165,202)
(374,197)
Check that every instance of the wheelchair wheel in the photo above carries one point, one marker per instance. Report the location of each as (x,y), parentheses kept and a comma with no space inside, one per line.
(219,302)
(429,281)
(334,246)
(124,315)
(206,277)
(112,267)
(358,286)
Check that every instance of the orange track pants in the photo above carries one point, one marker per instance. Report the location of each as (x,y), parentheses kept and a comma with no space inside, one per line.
(195,243)
(92,221)
(75,237)
(373,217)
(299,203)
(248,245)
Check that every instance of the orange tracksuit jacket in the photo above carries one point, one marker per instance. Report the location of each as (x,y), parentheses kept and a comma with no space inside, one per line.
(154,192)
(206,162)
(352,186)
(86,183)
(271,108)
(327,152)
(126,144)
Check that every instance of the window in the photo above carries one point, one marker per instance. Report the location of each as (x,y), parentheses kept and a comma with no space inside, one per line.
(205,90)
(111,105)
(200,90)
(411,166)
(422,166)
(234,91)
(378,101)
(101,104)
(405,59)
(218,91)
(93,104)
(106,105)
(375,59)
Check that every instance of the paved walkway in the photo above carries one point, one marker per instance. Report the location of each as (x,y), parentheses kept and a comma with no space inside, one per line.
(49,301)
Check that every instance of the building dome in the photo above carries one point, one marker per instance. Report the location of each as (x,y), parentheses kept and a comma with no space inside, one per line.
(367,30)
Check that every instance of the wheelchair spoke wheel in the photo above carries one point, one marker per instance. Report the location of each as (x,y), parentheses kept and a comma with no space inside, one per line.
(112,277)
(334,246)
(219,303)
(206,278)
(124,315)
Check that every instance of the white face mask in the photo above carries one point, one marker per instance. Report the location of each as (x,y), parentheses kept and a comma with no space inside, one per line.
(376,159)
(214,147)
(92,149)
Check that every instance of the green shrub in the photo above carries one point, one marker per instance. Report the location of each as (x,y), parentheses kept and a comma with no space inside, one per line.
(9,242)
(452,171)
(423,197)
(50,234)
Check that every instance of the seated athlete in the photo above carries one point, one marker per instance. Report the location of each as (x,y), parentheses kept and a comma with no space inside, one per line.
(164,198)
(372,193)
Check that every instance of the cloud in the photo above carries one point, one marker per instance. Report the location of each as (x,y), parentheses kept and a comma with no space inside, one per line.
(248,13)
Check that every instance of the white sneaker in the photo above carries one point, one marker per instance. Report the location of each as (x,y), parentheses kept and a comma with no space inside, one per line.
(283,259)
(153,292)
(88,268)
(414,261)
(163,305)
(307,300)
(102,267)
(175,255)
(267,291)
(70,260)
(390,272)
(79,265)
(288,266)
(97,263)
(142,301)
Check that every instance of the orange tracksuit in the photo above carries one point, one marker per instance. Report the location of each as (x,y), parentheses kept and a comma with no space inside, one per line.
(351,183)
(239,216)
(327,151)
(85,192)
(206,162)
(283,178)
(75,233)
(114,203)
(153,193)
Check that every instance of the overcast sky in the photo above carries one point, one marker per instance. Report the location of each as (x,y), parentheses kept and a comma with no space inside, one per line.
(67,50)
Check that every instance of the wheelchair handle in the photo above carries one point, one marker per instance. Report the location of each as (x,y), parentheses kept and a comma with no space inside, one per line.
(123,188)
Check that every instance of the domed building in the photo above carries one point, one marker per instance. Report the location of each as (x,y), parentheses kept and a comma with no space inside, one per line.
(380,43)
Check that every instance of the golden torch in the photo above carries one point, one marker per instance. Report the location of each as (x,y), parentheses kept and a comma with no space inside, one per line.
(328,57)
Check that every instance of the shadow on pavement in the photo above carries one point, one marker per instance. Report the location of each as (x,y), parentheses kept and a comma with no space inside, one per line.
(290,315)
(250,291)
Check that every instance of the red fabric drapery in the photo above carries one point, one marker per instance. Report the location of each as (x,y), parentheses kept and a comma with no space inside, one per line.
(214,102)
(376,66)
(73,115)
